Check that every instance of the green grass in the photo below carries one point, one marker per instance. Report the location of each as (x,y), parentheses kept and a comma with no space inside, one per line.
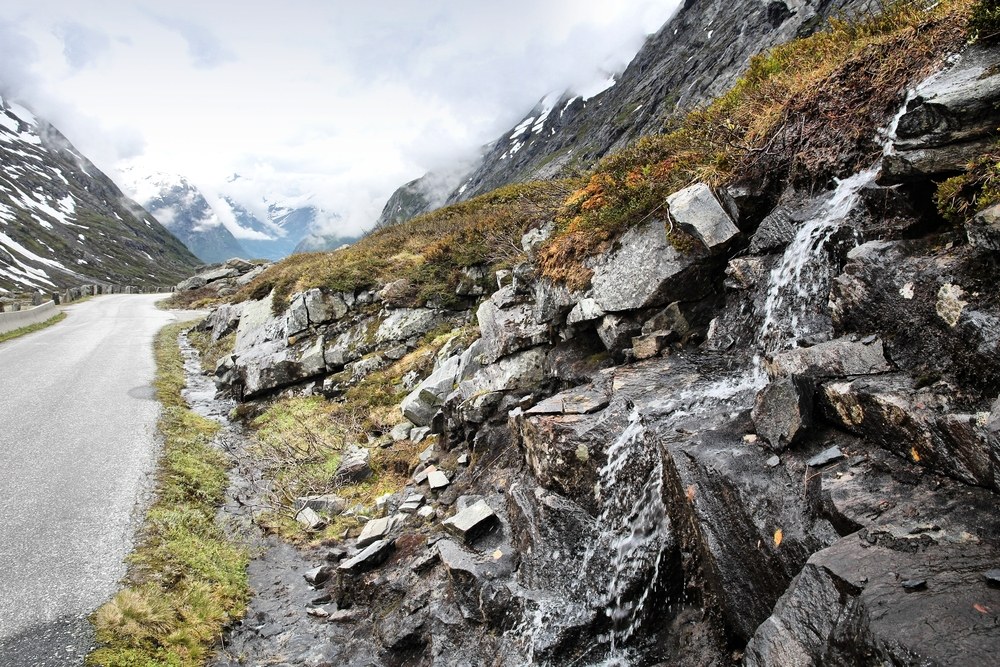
(303,439)
(187,578)
(961,197)
(32,328)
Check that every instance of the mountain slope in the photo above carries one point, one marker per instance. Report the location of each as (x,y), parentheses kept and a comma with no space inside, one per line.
(694,57)
(183,210)
(63,222)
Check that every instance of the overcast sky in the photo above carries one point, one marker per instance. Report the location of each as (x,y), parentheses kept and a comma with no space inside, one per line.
(338,98)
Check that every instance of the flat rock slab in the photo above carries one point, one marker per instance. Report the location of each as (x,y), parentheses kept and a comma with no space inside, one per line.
(437,479)
(472,522)
(375,530)
(574,402)
(307,517)
(372,556)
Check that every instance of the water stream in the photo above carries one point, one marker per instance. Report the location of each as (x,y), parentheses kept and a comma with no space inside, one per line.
(634,527)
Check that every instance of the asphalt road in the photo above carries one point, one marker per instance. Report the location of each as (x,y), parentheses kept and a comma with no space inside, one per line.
(77,449)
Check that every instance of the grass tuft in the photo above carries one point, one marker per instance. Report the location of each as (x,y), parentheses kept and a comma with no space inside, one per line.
(187,578)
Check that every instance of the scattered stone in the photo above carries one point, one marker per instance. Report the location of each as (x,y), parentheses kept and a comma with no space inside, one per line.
(421,475)
(426,512)
(915,584)
(471,522)
(382,504)
(420,433)
(992,577)
(586,310)
(426,455)
(373,556)
(774,461)
(321,600)
(354,466)
(346,616)
(401,432)
(783,411)
(318,612)
(412,504)
(463,459)
(651,345)
(825,457)
(307,517)
(318,575)
(336,554)
(437,480)
(329,503)
(421,404)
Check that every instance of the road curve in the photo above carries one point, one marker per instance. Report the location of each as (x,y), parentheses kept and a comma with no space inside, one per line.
(77,449)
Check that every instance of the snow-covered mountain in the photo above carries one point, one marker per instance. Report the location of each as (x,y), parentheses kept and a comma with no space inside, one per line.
(64,223)
(237,222)
(183,210)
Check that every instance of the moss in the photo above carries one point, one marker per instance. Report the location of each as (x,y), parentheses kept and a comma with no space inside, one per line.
(960,197)
(984,21)
(187,578)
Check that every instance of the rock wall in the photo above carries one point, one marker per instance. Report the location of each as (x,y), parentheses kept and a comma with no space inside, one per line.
(778,446)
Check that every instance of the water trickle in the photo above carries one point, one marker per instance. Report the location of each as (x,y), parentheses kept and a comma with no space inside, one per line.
(634,529)
(802,277)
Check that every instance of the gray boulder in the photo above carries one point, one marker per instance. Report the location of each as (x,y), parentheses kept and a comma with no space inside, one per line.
(472,521)
(698,211)
(644,270)
(783,411)
(421,404)
(406,323)
(508,325)
(835,358)
(373,555)
(354,465)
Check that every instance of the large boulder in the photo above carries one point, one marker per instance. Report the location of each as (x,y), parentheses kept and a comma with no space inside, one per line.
(697,210)
(836,358)
(949,121)
(507,324)
(421,404)
(403,324)
(918,424)
(258,325)
(783,411)
(645,269)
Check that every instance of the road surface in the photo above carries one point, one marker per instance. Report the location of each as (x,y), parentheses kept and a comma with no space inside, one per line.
(77,449)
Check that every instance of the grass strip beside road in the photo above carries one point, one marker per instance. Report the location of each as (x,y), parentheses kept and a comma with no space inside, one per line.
(187,579)
(32,328)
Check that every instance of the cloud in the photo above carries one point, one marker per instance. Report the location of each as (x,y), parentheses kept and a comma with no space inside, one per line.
(340,101)
(83,46)
(18,56)
(205,49)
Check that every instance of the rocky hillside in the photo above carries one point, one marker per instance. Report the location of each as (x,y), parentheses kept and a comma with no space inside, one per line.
(63,223)
(694,58)
(732,398)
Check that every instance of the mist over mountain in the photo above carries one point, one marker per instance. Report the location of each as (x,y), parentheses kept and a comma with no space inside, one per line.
(64,223)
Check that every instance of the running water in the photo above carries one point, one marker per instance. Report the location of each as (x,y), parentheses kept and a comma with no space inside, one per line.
(634,525)
(635,529)
(802,277)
